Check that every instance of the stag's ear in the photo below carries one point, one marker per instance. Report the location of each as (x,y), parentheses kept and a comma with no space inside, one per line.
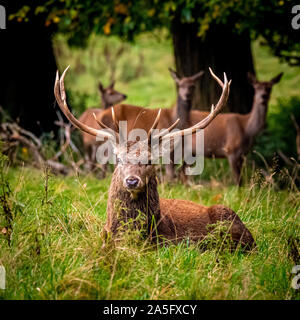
(111,86)
(251,78)
(100,86)
(277,78)
(197,75)
(174,75)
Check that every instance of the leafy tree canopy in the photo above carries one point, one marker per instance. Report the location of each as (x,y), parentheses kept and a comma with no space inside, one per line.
(269,19)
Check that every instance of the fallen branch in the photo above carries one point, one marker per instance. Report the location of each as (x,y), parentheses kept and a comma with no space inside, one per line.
(14,136)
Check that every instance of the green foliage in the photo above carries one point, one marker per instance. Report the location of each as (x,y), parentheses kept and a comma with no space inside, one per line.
(79,18)
(153,87)
(146,83)
(280,133)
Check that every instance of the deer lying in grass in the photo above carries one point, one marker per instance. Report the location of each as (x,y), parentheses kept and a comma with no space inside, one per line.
(133,188)
(109,97)
(232,136)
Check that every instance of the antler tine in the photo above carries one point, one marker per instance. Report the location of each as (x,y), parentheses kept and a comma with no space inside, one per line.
(155,123)
(213,113)
(60,95)
(136,119)
(172,126)
(218,79)
(62,85)
(100,123)
(114,119)
(164,132)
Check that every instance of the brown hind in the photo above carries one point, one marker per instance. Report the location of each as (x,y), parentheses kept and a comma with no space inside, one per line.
(139,117)
(109,97)
(232,136)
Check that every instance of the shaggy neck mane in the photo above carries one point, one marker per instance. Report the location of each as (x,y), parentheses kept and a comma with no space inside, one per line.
(122,206)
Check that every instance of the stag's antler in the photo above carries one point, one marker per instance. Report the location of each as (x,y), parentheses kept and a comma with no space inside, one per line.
(60,95)
(155,123)
(100,123)
(215,110)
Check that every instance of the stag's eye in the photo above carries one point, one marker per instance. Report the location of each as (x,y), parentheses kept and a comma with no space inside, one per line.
(119,160)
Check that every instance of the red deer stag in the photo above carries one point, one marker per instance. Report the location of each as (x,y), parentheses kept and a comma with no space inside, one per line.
(109,97)
(133,188)
(232,136)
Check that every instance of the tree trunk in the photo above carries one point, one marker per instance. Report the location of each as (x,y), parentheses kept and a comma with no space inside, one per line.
(223,51)
(27,75)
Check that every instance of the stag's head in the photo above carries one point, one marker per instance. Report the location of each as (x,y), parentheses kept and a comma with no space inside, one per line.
(133,172)
(262,89)
(110,96)
(186,85)
(135,159)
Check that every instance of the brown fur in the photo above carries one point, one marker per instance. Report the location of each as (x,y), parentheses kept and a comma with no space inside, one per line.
(139,117)
(89,142)
(133,188)
(174,219)
(109,97)
(232,135)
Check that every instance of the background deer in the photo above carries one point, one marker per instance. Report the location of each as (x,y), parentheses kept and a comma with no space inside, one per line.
(140,117)
(133,188)
(109,97)
(232,136)
(185,92)
(144,118)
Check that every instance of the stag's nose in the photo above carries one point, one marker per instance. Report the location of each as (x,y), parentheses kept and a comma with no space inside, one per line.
(132,182)
(124,96)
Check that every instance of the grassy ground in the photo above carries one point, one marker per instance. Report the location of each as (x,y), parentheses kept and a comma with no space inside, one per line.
(55,250)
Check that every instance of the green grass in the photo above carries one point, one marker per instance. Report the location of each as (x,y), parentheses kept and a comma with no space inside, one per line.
(56,248)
